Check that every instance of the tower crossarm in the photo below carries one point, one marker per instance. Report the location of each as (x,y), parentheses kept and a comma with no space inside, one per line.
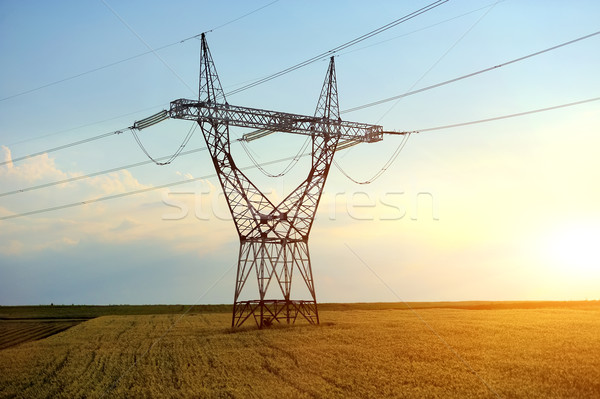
(272,120)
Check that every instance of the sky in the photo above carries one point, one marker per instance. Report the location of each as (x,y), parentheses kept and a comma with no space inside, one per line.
(504,210)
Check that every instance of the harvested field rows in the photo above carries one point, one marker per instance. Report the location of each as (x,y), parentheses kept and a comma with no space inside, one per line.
(527,353)
(16,332)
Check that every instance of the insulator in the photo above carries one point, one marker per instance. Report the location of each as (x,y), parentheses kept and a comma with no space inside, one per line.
(151,120)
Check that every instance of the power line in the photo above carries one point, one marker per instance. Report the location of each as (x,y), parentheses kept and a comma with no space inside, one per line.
(86,125)
(145,43)
(62,147)
(102,172)
(442,57)
(132,57)
(410,93)
(144,190)
(291,158)
(169,158)
(285,159)
(355,108)
(383,168)
(361,38)
(405,138)
(172,157)
(288,168)
(342,112)
(375,102)
(163,115)
(422,29)
(497,118)
(260,81)
(238,18)
(341,47)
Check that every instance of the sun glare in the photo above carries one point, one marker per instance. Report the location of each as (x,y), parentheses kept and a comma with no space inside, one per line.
(574,249)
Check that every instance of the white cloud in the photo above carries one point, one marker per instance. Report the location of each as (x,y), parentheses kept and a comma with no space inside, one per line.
(7,157)
(29,170)
(126,219)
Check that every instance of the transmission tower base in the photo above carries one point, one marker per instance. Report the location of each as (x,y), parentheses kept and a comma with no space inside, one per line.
(268,312)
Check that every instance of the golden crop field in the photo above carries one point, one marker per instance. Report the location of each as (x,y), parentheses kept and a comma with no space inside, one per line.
(508,353)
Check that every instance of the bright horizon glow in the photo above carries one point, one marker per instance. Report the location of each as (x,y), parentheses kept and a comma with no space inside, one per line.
(574,249)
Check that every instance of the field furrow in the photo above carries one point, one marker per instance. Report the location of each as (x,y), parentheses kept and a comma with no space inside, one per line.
(16,332)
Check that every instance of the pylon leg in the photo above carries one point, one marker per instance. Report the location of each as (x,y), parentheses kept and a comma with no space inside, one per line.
(274,263)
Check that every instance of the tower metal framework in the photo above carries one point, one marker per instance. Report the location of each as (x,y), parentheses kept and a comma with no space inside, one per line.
(273,237)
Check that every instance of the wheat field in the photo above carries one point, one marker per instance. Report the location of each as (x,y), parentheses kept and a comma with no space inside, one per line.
(508,353)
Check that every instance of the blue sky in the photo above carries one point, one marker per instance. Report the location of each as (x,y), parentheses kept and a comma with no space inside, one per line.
(504,210)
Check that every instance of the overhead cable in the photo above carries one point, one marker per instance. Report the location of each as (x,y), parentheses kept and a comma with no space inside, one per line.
(410,93)
(422,29)
(62,147)
(134,56)
(361,106)
(16,215)
(145,43)
(497,118)
(102,172)
(415,91)
(441,58)
(139,125)
(238,18)
(144,190)
(383,168)
(404,140)
(86,125)
(288,168)
(339,148)
(172,157)
(341,47)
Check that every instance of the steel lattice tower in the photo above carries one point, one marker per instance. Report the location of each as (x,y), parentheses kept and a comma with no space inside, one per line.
(273,238)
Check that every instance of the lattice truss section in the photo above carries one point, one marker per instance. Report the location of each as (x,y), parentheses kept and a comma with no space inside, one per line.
(273,238)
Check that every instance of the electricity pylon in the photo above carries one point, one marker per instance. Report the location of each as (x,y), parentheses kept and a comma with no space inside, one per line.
(273,238)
